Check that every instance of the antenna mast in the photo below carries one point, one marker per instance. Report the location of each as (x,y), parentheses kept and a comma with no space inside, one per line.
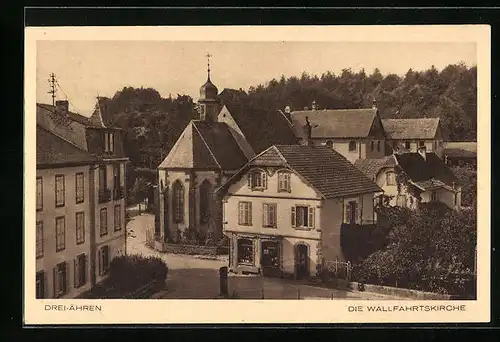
(52,91)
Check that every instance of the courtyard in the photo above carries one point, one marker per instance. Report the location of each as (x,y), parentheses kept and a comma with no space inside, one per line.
(196,277)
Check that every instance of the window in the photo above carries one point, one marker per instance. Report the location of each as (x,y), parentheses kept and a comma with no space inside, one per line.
(61,279)
(80,227)
(245,251)
(257,180)
(80,270)
(60,233)
(435,145)
(103,260)
(351,212)
(102,178)
(39,239)
(178,205)
(401,200)
(205,200)
(103,222)
(407,145)
(302,217)
(79,187)
(40,284)
(434,196)
(245,213)
(378,146)
(390,178)
(109,141)
(284,182)
(352,145)
(59,190)
(116,176)
(202,112)
(39,193)
(421,143)
(269,219)
(118,218)
(372,146)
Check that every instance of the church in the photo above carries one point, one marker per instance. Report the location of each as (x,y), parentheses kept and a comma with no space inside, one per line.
(208,152)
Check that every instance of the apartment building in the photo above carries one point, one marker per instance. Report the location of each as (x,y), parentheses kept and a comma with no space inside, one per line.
(80,189)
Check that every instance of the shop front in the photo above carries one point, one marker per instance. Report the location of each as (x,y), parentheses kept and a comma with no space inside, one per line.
(256,254)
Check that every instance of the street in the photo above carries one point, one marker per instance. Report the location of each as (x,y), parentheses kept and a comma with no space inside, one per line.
(191,277)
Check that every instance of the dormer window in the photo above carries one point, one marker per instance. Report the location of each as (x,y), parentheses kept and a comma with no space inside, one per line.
(109,142)
(257,180)
(352,145)
(284,181)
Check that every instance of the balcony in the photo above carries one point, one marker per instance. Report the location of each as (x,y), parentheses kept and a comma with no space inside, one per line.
(118,193)
(104,195)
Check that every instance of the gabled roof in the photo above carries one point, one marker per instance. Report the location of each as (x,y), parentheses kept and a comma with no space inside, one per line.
(262,126)
(421,170)
(53,150)
(371,167)
(84,120)
(401,129)
(324,169)
(205,145)
(335,123)
(101,117)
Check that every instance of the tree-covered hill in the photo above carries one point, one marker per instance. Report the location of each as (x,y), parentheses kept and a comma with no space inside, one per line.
(153,123)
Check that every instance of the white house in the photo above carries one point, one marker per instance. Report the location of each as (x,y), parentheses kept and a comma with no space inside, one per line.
(284,209)
(411,178)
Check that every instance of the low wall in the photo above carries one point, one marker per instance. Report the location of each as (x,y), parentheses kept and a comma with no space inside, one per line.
(399,292)
(190,249)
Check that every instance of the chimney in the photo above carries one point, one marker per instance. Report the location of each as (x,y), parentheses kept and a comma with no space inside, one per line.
(314,107)
(308,131)
(288,110)
(62,107)
(374,104)
(422,151)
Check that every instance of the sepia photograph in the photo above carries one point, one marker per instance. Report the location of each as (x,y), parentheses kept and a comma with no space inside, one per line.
(270,170)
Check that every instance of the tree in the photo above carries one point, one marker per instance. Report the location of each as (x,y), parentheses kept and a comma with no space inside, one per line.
(432,249)
(141,190)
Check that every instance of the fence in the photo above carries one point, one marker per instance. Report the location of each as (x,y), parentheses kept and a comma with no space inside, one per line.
(339,269)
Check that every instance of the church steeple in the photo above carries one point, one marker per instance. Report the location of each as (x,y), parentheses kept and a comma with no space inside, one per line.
(207,102)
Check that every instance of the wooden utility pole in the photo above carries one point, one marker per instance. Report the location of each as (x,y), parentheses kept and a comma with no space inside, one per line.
(52,90)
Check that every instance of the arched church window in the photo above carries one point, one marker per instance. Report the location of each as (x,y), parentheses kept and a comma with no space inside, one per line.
(205,201)
(178,202)
(372,146)
(378,146)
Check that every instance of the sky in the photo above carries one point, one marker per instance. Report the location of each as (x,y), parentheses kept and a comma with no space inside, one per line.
(87,69)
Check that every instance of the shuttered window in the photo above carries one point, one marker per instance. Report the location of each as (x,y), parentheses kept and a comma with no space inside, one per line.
(245,213)
(269,215)
(303,216)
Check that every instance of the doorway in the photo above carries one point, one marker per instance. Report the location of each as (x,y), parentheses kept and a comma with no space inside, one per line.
(301,261)
(270,259)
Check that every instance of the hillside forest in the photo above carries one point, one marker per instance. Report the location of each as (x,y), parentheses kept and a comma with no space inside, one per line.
(152,123)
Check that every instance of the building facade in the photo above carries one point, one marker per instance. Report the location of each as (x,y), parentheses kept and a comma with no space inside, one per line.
(409,179)
(354,133)
(411,134)
(283,217)
(80,189)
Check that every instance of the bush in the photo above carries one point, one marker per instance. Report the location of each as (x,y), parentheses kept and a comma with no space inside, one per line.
(128,273)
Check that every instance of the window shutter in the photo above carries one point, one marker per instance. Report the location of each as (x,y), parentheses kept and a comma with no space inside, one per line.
(240,213)
(66,278)
(54,283)
(293,216)
(264,180)
(288,182)
(249,180)
(85,259)
(100,261)
(356,208)
(347,213)
(264,215)
(75,270)
(250,213)
(311,217)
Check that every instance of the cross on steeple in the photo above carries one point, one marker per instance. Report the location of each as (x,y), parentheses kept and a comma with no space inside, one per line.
(208,55)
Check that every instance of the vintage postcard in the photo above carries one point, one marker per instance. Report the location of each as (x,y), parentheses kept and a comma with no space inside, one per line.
(257,174)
